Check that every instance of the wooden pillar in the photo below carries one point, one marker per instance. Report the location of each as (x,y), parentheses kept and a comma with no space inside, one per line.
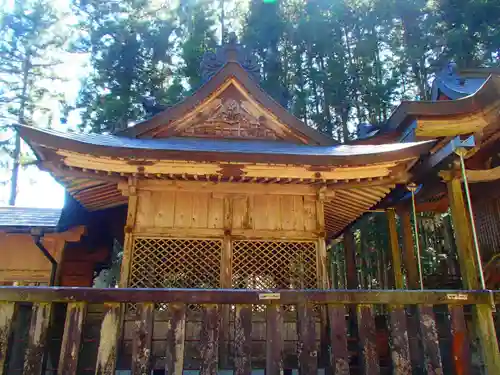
(482,314)
(226,281)
(128,242)
(400,349)
(410,263)
(395,253)
(463,235)
(324,281)
(350,259)
(409,258)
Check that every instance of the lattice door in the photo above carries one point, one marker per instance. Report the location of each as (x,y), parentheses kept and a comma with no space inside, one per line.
(274,264)
(175,263)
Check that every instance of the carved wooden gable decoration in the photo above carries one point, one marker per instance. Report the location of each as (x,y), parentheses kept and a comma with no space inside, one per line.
(231,114)
(230,118)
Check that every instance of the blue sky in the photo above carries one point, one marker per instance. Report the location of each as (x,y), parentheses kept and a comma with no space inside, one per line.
(37,188)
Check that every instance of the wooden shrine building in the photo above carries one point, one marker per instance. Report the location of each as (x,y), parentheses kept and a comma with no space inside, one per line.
(223,207)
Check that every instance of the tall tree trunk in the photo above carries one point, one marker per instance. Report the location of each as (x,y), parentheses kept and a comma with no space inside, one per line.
(21,119)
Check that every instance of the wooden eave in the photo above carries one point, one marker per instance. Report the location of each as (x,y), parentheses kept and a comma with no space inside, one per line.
(353,178)
(53,145)
(231,71)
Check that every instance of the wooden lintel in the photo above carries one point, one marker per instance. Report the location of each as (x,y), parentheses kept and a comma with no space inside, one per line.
(282,171)
(227,187)
(219,232)
(240,296)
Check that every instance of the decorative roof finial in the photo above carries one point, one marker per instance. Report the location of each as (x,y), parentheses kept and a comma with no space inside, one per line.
(231,51)
(452,68)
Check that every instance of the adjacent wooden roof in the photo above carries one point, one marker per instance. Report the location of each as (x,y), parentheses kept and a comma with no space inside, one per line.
(29,217)
(433,119)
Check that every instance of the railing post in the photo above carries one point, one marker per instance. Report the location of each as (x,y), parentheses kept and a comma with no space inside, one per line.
(70,348)
(108,343)
(306,332)
(209,340)
(368,339)
(400,349)
(339,356)
(37,342)
(143,335)
(174,356)
(6,316)
(243,340)
(274,342)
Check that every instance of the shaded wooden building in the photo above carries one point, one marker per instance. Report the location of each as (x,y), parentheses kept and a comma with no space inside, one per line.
(223,206)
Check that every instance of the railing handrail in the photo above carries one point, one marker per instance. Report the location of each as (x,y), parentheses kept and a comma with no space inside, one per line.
(239,296)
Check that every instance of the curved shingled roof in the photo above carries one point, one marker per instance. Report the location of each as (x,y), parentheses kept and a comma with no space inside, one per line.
(217,150)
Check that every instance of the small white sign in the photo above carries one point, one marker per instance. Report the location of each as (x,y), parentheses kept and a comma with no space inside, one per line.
(457,297)
(267,296)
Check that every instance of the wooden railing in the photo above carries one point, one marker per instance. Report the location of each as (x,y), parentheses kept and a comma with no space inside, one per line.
(334,307)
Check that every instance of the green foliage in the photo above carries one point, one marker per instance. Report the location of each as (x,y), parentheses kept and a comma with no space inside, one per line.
(33,40)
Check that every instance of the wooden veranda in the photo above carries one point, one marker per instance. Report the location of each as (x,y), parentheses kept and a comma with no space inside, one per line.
(160,342)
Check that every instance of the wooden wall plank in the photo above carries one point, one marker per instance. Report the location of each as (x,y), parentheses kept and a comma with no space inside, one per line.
(183,209)
(174,356)
(209,340)
(298,212)
(306,333)
(400,349)
(260,212)
(108,342)
(243,340)
(274,342)
(199,217)
(339,355)
(215,212)
(287,212)
(70,347)
(274,218)
(460,347)
(163,209)
(37,339)
(145,208)
(6,316)
(430,340)
(141,342)
(368,339)
(239,211)
(310,221)
(250,216)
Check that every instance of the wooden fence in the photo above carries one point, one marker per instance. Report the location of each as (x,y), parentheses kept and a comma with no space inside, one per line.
(334,306)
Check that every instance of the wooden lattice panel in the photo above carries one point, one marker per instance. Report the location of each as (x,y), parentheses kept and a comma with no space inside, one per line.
(274,264)
(175,263)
